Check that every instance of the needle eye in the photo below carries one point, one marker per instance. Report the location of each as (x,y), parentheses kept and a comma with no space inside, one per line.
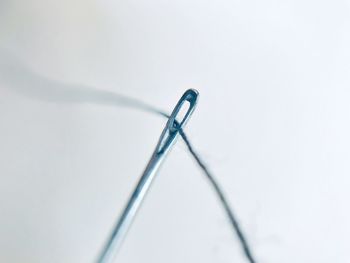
(183,110)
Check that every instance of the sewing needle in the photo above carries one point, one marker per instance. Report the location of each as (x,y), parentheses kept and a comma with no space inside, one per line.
(165,143)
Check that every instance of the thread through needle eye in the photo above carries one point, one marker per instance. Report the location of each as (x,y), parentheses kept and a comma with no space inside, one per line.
(167,139)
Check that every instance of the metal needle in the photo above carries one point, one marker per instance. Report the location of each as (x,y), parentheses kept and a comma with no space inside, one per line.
(165,143)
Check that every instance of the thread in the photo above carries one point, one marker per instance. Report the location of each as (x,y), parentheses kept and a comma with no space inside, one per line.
(224,201)
(29,83)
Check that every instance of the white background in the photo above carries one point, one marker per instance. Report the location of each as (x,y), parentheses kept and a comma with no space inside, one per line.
(272,123)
